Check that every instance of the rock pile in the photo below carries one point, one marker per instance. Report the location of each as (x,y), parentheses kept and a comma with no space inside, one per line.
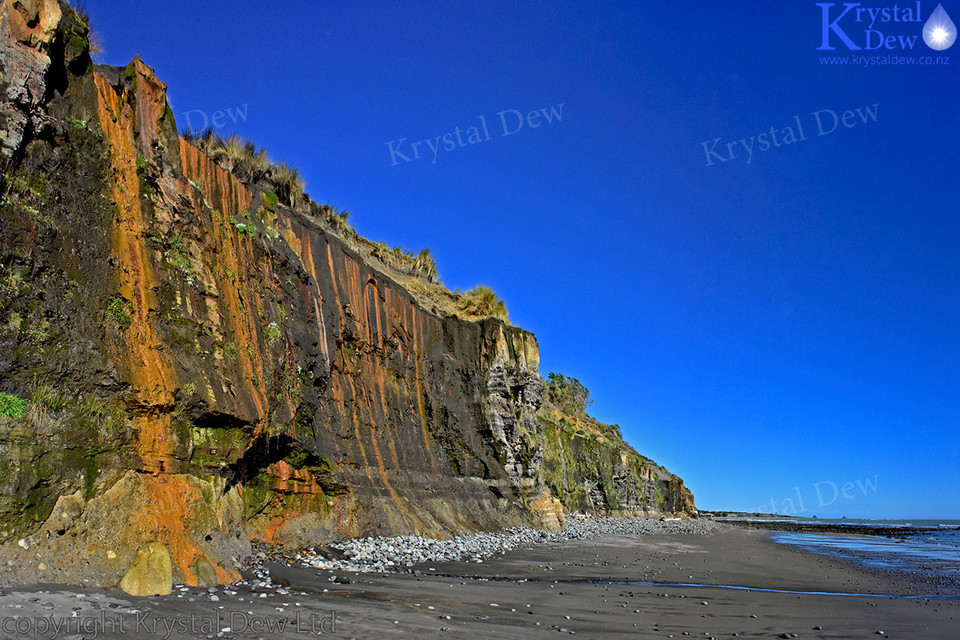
(401,553)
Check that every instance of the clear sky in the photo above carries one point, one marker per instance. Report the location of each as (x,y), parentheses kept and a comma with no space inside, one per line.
(768,326)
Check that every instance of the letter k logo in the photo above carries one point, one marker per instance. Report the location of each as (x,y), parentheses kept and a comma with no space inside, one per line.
(833,26)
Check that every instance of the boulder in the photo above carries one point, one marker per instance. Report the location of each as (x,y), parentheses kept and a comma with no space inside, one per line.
(151,572)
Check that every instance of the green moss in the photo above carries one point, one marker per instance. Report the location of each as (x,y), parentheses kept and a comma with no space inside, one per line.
(181,425)
(257,496)
(90,478)
(75,43)
(215,447)
(269,200)
(39,504)
(38,332)
(81,430)
(117,312)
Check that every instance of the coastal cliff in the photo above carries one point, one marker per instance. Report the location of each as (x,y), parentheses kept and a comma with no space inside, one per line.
(191,359)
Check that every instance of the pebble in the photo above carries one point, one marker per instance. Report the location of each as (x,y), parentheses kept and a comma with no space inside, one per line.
(383,555)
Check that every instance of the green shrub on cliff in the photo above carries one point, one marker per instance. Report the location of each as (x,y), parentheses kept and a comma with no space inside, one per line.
(12,406)
(482,302)
(117,312)
(568,394)
(47,397)
(273,333)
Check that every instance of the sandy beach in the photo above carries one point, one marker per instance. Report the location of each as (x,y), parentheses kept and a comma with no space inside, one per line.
(567,588)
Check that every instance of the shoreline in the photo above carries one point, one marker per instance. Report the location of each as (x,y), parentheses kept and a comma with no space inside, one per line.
(853,529)
(555,584)
(883,559)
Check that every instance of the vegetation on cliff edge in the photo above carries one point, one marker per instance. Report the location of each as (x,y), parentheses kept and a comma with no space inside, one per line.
(417,272)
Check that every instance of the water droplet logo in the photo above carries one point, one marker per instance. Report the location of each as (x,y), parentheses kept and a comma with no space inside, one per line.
(939,32)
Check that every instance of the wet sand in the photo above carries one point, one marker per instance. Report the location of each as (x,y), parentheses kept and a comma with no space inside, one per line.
(527,593)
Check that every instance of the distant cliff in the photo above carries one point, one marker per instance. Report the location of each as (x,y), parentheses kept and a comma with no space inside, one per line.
(589,466)
(195,356)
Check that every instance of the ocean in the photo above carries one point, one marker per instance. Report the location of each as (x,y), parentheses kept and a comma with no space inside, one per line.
(928,550)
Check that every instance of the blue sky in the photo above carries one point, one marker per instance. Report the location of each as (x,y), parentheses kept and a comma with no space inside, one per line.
(763,329)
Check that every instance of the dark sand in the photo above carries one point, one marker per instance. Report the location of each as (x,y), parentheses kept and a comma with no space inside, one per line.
(508,596)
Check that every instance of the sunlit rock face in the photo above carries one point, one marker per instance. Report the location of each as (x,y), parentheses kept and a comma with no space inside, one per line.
(202,363)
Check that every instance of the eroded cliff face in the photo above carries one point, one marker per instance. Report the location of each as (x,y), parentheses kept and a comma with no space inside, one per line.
(189,364)
(591,469)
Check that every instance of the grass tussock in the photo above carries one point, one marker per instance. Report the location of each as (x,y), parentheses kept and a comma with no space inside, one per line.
(249,164)
(482,302)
